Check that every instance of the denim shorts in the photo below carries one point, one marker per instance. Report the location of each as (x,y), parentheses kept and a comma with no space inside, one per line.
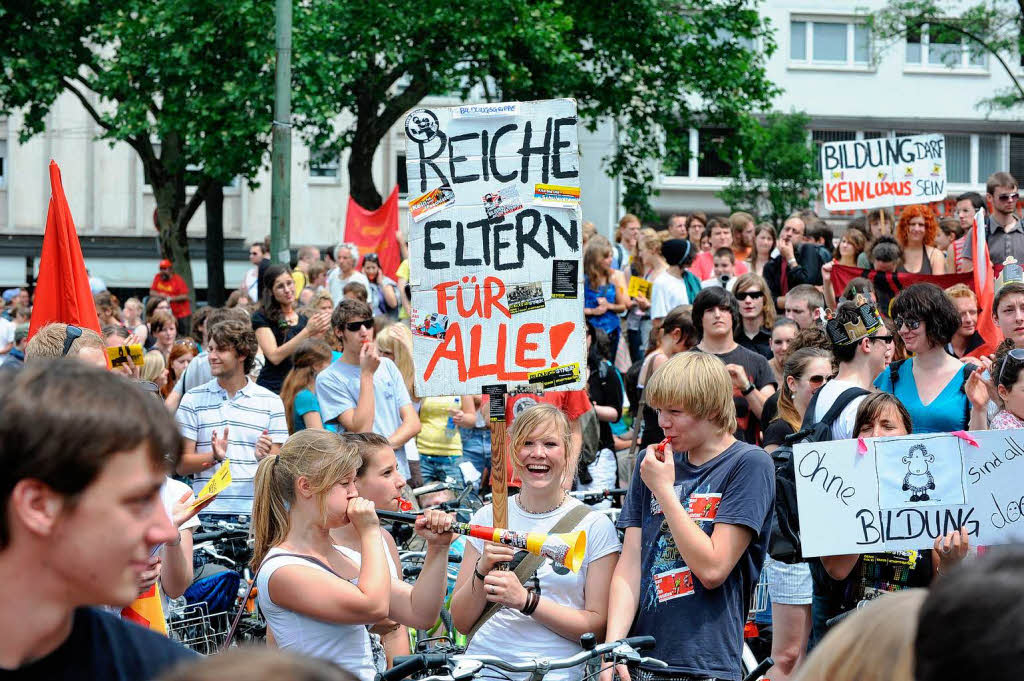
(788,584)
(438,468)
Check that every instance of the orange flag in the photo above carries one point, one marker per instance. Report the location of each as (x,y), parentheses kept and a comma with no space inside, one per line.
(373,231)
(148,611)
(62,289)
(984,289)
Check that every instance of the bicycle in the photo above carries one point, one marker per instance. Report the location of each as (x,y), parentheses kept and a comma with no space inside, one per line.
(461,667)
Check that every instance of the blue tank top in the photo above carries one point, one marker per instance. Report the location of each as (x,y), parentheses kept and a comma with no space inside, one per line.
(945,413)
(609,321)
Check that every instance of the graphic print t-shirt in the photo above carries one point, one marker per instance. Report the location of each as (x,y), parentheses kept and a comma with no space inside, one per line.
(699,631)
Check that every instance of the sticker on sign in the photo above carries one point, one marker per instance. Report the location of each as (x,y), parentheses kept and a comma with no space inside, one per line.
(432,202)
(563,375)
(478,110)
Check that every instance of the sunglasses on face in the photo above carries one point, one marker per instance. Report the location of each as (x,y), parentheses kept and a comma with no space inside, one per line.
(1008,197)
(355,326)
(912,324)
(752,295)
(884,339)
(817,379)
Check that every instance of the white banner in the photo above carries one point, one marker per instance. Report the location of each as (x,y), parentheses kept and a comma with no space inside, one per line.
(903,492)
(495,247)
(883,172)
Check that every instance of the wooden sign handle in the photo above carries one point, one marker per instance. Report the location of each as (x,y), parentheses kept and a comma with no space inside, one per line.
(499,473)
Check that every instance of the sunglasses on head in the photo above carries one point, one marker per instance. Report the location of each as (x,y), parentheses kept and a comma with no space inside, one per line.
(1017,354)
(753,295)
(355,326)
(371,257)
(912,324)
(187,342)
(70,334)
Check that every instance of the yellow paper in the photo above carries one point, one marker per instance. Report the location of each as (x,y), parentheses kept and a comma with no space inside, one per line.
(638,286)
(215,485)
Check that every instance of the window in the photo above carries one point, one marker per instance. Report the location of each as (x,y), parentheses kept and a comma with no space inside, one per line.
(829,43)
(710,156)
(1017,155)
(324,163)
(819,137)
(989,156)
(193,172)
(3,163)
(401,176)
(958,159)
(942,46)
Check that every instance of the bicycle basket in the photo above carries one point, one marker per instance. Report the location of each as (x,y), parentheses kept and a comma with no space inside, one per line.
(195,627)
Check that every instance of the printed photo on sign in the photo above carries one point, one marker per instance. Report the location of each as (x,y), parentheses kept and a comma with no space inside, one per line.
(433,325)
(433,201)
(923,473)
(673,584)
(502,202)
(421,125)
(525,297)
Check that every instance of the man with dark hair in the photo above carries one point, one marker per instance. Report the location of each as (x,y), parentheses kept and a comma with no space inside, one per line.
(1004,231)
(788,268)
(251,281)
(970,624)
(198,370)
(677,226)
(967,205)
(222,420)
(84,454)
(173,287)
(886,254)
(1008,311)
(720,235)
(716,314)
(361,391)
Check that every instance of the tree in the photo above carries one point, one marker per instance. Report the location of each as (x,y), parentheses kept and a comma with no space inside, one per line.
(183,82)
(995,27)
(773,173)
(657,68)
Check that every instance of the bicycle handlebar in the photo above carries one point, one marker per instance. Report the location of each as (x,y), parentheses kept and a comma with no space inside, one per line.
(407,665)
(200,537)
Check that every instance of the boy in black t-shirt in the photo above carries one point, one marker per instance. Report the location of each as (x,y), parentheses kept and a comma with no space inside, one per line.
(84,454)
(697,520)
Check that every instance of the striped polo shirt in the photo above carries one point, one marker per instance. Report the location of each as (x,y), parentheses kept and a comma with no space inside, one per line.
(246,415)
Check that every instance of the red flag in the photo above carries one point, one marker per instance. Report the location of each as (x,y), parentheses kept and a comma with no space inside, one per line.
(984,289)
(373,231)
(888,284)
(62,290)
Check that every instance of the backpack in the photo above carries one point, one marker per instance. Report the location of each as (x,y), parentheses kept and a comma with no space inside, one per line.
(784,544)
(631,384)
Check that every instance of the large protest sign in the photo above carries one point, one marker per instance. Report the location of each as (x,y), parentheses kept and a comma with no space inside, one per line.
(903,492)
(495,247)
(883,172)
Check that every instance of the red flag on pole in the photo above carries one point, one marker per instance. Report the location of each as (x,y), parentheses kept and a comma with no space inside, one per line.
(984,289)
(373,231)
(62,290)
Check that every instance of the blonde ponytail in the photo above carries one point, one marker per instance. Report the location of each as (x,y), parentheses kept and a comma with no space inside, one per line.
(322,457)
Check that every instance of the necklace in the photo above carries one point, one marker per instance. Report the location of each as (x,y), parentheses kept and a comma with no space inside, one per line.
(519,503)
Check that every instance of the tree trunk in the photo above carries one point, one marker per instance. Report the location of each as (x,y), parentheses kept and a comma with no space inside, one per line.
(215,245)
(360,171)
(170,204)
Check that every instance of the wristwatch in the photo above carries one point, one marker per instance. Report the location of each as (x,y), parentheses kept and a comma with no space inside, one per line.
(749,389)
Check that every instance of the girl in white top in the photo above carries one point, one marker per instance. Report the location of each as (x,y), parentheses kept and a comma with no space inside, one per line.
(317,601)
(379,480)
(570,604)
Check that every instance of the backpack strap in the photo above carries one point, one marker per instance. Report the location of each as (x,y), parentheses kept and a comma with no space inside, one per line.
(844,399)
(529,565)
(894,373)
(968,370)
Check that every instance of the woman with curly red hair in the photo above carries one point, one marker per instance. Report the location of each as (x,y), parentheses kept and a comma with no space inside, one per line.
(916,233)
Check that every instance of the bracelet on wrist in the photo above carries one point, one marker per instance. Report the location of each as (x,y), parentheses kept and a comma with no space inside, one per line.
(532,600)
(477,573)
(749,389)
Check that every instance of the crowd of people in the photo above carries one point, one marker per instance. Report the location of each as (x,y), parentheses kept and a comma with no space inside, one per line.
(303,383)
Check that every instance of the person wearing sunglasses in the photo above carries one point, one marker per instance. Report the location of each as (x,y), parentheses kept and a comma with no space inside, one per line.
(363,392)
(933,385)
(790,587)
(757,317)
(1004,232)
(67,340)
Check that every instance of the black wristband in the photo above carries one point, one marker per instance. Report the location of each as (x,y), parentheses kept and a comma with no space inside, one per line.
(477,574)
(750,389)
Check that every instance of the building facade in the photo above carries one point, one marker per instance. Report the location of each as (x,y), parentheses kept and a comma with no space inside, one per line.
(827,64)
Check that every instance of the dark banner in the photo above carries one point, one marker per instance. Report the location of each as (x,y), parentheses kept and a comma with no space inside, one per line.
(888,284)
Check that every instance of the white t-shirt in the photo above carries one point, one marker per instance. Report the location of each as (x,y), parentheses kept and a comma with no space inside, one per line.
(336,283)
(346,645)
(531,638)
(667,293)
(170,493)
(6,332)
(842,427)
(717,281)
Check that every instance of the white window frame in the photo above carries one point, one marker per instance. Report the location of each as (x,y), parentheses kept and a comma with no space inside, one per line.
(808,63)
(234,188)
(964,68)
(322,179)
(5,165)
(692,180)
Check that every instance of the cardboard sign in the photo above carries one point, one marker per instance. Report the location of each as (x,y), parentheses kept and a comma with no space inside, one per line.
(215,485)
(883,172)
(638,286)
(495,246)
(903,492)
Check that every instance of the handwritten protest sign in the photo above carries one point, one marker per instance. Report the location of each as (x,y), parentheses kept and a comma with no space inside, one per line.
(495,246)
(883,172)
(906,491)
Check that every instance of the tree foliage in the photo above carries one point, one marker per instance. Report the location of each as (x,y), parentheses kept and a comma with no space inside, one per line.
(185,83)
(773,173)
(656,68)
(995,27)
